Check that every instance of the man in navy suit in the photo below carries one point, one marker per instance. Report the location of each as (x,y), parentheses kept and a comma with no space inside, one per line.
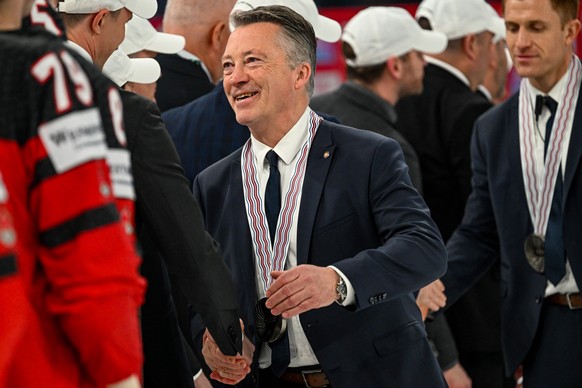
(329,231)
(194,71)
(526,199)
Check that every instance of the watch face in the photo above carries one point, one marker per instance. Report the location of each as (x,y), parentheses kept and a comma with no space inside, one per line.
(342,290)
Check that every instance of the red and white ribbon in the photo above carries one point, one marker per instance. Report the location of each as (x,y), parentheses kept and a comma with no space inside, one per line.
(273,258)
(539,192)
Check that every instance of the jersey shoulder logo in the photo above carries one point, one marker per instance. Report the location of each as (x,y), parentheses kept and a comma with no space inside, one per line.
(74,139)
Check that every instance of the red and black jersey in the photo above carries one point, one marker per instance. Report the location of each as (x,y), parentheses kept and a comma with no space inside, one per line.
(74,258)
(13,303)
(43,17)
(44,23)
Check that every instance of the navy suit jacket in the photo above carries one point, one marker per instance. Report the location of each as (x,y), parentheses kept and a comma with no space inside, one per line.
(497,220)
(174,242)
(360,213)
(205,131)
(182,81)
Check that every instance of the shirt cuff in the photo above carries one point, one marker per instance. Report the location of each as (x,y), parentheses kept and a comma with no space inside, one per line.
(351,297)
(197,374)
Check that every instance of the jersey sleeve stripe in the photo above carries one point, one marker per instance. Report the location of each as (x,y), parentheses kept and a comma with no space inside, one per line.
(44,169)
(87,221)
(8,265)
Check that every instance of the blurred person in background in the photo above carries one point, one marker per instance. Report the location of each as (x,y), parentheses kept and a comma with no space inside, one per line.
(193,71)
(383,49)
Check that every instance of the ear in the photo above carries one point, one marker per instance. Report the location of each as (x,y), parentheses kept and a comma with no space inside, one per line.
(469,46)
(394,67)
(128,86)
(303,72)
(98,21)
(496,51)
(572,29)
(217,35)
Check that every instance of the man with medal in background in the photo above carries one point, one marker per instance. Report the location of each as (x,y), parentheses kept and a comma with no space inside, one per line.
(526,200)
(322,221)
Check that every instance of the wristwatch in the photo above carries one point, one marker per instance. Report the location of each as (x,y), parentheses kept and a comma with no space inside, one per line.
(341,290)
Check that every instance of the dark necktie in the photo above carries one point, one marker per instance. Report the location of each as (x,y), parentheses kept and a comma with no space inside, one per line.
(280,356)
(554,240)
(273,194)
(279,349)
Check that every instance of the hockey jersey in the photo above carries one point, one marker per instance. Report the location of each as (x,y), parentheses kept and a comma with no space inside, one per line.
(75,259)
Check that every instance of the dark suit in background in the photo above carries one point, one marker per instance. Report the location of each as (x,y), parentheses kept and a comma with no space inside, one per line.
(174,241)
(182,81)
(477,327)
(379,235)
(358,107)
(438,123)
(205,131)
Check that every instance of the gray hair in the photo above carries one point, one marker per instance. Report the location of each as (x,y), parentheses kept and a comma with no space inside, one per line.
(297,37)
(197,12)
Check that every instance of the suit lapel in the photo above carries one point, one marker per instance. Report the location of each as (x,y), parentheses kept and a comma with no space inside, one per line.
(514,149)
(318,163)
(575,147)
(244,245)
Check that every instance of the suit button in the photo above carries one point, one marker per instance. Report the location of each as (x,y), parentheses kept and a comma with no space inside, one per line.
(384,296)
(539,299)
(372,300)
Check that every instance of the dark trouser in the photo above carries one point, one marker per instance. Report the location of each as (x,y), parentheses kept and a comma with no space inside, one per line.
(555,359)
(268,380)
(165,361)
(486,369)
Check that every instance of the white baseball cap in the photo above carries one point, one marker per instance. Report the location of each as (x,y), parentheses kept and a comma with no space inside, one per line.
(457,18)
(425,9)
(122,69)
(325,28)
(141,35)
(144,8)
(378,33)
(497,24)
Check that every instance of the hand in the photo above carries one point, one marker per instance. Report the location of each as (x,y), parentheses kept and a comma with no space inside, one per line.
(456,377)
(130,382)
(431,298)
(226,369)
(202,382)
(301,289)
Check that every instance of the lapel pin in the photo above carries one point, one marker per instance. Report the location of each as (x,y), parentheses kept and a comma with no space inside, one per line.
(326,154)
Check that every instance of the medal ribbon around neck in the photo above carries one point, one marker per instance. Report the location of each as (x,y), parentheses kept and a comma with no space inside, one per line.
(539,192)
(273,258)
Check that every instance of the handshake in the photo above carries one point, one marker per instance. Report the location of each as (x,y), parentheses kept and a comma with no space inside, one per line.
(227,369)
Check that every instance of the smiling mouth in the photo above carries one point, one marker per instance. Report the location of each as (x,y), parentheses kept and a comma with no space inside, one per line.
(244,96)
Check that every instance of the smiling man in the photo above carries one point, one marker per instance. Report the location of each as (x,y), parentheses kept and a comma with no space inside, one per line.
(322,230)
(526,198)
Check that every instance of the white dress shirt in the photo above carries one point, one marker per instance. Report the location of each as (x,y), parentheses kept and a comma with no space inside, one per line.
(288,150)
